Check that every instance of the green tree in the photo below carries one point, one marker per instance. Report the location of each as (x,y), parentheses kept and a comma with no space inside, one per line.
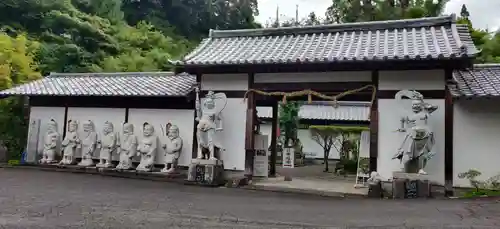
(17,66)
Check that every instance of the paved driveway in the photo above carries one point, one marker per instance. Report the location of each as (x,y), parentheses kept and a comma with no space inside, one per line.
(49,200)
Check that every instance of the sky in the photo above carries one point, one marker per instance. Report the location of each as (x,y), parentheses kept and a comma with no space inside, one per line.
(484,14)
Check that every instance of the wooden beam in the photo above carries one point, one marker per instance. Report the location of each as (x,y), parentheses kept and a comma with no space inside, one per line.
(274,140)
(194,152)
(249,130)
(374,126)
(377,65)
(332,87)
(448,139)
(65,124)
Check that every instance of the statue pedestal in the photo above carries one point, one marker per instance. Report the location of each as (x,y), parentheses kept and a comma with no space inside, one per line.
(206,172)
(410,186)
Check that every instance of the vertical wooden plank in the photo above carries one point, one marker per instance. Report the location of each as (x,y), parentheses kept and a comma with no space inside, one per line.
(249,130)
(126,114)
(374,126)
(65,125)
(448,137)
(274,140)
(194,153)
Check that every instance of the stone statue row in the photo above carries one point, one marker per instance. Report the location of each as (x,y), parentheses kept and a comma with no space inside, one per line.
(126,145)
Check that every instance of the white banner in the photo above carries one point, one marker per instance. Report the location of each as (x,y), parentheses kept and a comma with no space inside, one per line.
(261,159)
(364,144)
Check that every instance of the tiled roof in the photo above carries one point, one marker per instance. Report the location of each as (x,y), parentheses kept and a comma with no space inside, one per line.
(483,80)
(108,84)
(345,111)
(430,38)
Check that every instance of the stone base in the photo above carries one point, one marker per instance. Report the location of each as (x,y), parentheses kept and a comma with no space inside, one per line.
(410,185)
(206,172)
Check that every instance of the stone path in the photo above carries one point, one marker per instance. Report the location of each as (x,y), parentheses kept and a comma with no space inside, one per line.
(32,199)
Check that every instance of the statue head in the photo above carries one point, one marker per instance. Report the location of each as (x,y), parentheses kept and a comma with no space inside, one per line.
(173,132)
(128,128)
(209,100)
(108,127)
(416,105)
(52,126)
(72,126)
(148,129)
(88,126)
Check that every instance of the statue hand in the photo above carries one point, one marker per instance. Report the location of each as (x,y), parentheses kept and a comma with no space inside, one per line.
(197,119)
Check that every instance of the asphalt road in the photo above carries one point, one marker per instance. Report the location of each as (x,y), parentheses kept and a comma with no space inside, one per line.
(34,199)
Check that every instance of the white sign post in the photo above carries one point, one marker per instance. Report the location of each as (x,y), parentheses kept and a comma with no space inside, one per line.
(261,159)
(288,158)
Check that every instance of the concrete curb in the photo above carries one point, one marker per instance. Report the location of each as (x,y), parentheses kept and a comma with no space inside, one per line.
(309,192)
(103,172)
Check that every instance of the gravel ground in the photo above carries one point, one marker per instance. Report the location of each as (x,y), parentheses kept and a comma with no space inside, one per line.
(32,199)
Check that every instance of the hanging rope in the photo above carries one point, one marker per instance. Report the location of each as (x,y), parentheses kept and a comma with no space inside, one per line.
(311,93)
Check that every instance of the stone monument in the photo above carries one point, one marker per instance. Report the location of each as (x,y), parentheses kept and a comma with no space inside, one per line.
(108,144)
(89,143)
(71,143)
(51,142)
(207,168)
(148,146)
(127,147)
(416,148)
(173,149)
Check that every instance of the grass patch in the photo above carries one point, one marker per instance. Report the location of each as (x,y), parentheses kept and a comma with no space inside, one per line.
(481,192)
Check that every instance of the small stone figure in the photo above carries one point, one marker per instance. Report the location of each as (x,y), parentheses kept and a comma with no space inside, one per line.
(173,147)
(51,141)
(147,148)
(209,118)
(127,147)
(107,144)
(416,148)
(89,143)
(70,143)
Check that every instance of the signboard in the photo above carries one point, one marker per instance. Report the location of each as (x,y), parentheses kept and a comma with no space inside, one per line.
(33,141)
(200,174)
(411,189)
(261,159)
(288,158)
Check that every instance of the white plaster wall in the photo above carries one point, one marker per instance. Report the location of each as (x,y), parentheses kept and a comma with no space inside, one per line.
(232,138)
(98,116)
(476,139)
(313,77)
(311,148)
(390,113)
(416,80)
(224,82)
(44,114)
(159,118)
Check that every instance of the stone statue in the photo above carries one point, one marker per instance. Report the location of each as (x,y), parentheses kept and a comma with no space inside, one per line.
(51,141)
(89,143)
(147,148)
(416,148)
(127,147)
(70,143)
(209,117)
(172,147)
(107,144)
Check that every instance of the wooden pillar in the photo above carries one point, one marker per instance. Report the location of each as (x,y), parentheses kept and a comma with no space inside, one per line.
(374,126)
(194,153)
(249,130)
(274,140)
(448,137)
(65,124)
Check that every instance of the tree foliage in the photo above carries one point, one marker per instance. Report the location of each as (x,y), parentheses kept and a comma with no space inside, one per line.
(328,136)
(42,36)
(17,65)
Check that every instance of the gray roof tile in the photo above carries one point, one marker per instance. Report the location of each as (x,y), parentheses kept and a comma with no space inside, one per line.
(432,38)
(483,80)
(108,84)
(346,111)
